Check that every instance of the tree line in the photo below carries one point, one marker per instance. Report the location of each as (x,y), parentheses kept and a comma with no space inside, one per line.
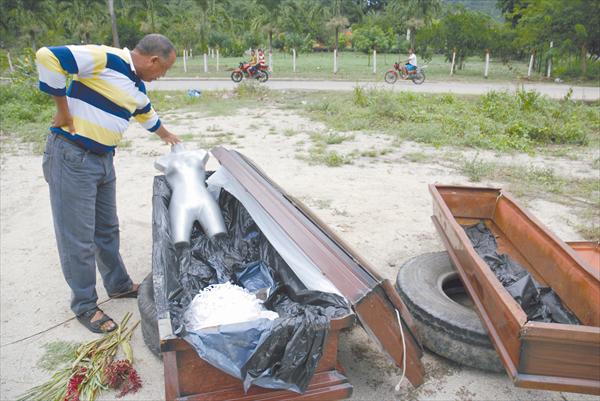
(232,26)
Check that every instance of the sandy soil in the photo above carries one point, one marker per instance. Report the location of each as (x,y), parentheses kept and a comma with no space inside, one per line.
(380,206)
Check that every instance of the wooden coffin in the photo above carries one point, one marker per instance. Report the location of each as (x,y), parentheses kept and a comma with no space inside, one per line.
(373,299)
(190,378)
(536,355)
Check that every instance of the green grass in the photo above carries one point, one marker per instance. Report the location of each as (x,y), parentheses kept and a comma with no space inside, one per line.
(498,120)
(25,113)
(476,169)
(369,153)
(331,138)
(56,354)
(417,157)
(319,154)
(289,132)
(357,66)
(531,182)
(210,103)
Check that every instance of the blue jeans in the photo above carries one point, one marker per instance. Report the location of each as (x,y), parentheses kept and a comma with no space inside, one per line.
(84,209)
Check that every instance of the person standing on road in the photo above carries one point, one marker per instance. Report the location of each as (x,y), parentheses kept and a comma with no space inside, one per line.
(91,116)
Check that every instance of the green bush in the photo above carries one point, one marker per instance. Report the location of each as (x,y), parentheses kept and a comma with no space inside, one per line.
(22,102)
(360,97)
(498,120)
(573,71)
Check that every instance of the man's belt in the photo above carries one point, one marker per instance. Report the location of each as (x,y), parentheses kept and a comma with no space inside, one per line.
(80,145)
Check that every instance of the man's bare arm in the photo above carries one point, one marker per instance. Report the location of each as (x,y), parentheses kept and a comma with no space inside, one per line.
(63,115)
(168,137)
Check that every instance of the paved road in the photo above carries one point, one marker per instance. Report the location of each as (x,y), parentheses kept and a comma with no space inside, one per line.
(556,91)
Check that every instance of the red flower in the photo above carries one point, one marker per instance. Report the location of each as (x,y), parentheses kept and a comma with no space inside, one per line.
(73,385)
(123,376)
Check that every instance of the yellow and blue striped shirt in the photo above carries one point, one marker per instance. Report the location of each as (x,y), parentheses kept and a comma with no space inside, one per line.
(104,94)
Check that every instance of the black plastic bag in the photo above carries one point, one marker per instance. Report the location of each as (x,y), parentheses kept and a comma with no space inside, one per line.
(279,354)
(539,303)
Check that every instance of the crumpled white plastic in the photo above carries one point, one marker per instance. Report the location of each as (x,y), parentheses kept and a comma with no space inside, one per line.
(225,303)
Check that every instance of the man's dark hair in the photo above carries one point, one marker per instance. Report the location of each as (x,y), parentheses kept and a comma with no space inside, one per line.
(155,44)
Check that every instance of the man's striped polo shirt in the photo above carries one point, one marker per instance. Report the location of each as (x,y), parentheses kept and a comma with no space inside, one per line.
(104,94)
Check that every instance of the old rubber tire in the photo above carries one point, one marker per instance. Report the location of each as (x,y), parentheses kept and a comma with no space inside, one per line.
(148,315)
(446,327)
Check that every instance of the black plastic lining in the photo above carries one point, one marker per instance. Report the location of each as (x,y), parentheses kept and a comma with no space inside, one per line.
(280,354)
(540,303)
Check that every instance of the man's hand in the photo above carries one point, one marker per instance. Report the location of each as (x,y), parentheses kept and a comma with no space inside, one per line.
(167,136)
(63,115)
(61,120)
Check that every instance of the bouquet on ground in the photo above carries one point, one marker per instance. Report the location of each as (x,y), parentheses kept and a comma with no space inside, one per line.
(93,368)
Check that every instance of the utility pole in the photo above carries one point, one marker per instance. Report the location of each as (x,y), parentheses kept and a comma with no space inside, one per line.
(113,20)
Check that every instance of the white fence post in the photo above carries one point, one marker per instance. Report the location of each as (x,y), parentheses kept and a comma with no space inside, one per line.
(10,64)
(217,59)
(530,64)
(374,61)
(550,62)
(335,61)
(453,59)
(205,62)
(294,60)
(184,60)
(487,62)
(271,60)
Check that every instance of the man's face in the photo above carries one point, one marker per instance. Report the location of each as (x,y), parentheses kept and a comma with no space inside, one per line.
(157,67)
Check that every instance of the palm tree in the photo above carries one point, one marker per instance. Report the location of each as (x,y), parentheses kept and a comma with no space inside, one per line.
(265,18)
(414,14)
(337,21)
(28,17)
(82,17)
(149,12)
(304,17)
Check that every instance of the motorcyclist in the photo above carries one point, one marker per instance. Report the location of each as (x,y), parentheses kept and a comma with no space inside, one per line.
(253,62)
(411,63)
(261,57)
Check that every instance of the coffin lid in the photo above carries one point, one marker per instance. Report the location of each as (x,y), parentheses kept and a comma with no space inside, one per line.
(373,299)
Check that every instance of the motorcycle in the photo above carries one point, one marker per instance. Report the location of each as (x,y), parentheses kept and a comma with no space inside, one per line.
(417,75)
(260,72)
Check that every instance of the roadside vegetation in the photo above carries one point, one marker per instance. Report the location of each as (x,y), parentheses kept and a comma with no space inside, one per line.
(498,123)
(521,122)
(358,66)
(501,121)
(560,33)
(27,113)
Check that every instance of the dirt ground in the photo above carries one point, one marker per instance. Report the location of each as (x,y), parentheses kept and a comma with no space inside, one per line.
(381,206)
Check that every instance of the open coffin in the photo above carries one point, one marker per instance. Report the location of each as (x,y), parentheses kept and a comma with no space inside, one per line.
(554,356)
(319,259)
